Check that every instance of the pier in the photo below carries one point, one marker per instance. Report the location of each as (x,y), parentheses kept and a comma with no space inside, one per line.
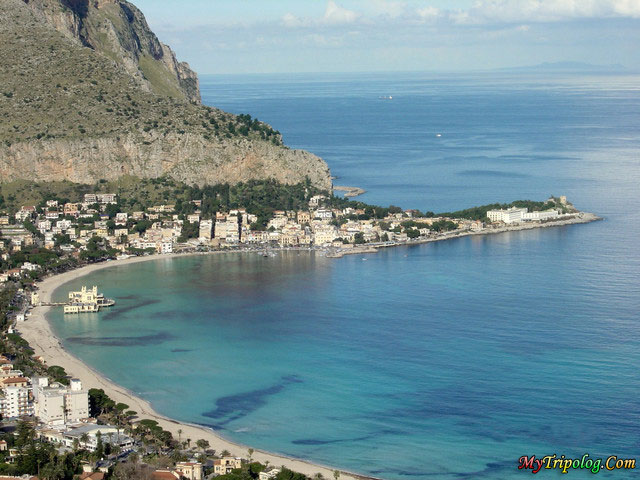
(83,301)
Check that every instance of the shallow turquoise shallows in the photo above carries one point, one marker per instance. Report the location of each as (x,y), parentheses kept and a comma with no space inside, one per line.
(443,361)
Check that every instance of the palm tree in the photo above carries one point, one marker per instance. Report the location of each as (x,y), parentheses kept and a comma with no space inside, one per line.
(111,438)
(84,438)
(179,434)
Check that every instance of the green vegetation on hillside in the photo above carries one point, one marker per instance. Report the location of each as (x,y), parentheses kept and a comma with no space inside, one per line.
(480,213)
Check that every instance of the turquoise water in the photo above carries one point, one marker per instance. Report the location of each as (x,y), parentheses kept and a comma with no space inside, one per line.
(447,360)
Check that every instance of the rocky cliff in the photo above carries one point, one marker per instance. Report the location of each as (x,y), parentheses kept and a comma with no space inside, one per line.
(87,92)
(118,30)
(187,157)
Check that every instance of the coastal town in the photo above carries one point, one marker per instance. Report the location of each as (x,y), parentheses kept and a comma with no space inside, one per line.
(86,230)
(52,237)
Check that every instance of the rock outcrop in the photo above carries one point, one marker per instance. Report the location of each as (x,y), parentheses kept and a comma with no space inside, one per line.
(189,158)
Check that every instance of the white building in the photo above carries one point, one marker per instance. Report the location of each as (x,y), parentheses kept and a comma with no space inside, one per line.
(316,200)
(121,218)
(510,215)
(15,402)
(541,215)
(513,215)
(107,433)
(268,473)
(50,408)
(63,224)
(57,404)
(193,218)
(323,213)
(206,230)
(325,235)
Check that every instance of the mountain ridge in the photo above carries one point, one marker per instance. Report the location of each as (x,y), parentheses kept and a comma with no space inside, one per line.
(71,112)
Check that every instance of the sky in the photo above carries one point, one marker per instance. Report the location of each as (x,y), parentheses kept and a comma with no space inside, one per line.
(289,36)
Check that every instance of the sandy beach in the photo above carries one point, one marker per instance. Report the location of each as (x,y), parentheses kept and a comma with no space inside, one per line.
(37,331)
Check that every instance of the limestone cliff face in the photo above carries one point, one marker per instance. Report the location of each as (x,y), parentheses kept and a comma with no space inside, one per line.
(189,158)
(118,30)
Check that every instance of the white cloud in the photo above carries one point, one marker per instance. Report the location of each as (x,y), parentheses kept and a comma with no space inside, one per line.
(291,21)
(428,13)
(514,11)
(627,8)
(324,41)
(335,14)
(389,8)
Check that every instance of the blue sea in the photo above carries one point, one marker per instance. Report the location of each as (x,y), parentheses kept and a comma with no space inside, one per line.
(449,360)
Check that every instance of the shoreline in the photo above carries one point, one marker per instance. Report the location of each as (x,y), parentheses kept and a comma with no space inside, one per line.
(37,330)
(583,217)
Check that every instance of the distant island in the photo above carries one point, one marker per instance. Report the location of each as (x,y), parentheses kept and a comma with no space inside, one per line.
(568,66)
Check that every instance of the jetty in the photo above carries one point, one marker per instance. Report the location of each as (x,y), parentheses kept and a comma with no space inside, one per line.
(350,192)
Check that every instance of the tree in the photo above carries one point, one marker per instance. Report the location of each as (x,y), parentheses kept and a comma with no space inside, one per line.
(358,238)
(99,453)
(250,451)
(132,470)
(25,434)
(412,233)
(99,402)
(336,474)
(202,444)
(58,374)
